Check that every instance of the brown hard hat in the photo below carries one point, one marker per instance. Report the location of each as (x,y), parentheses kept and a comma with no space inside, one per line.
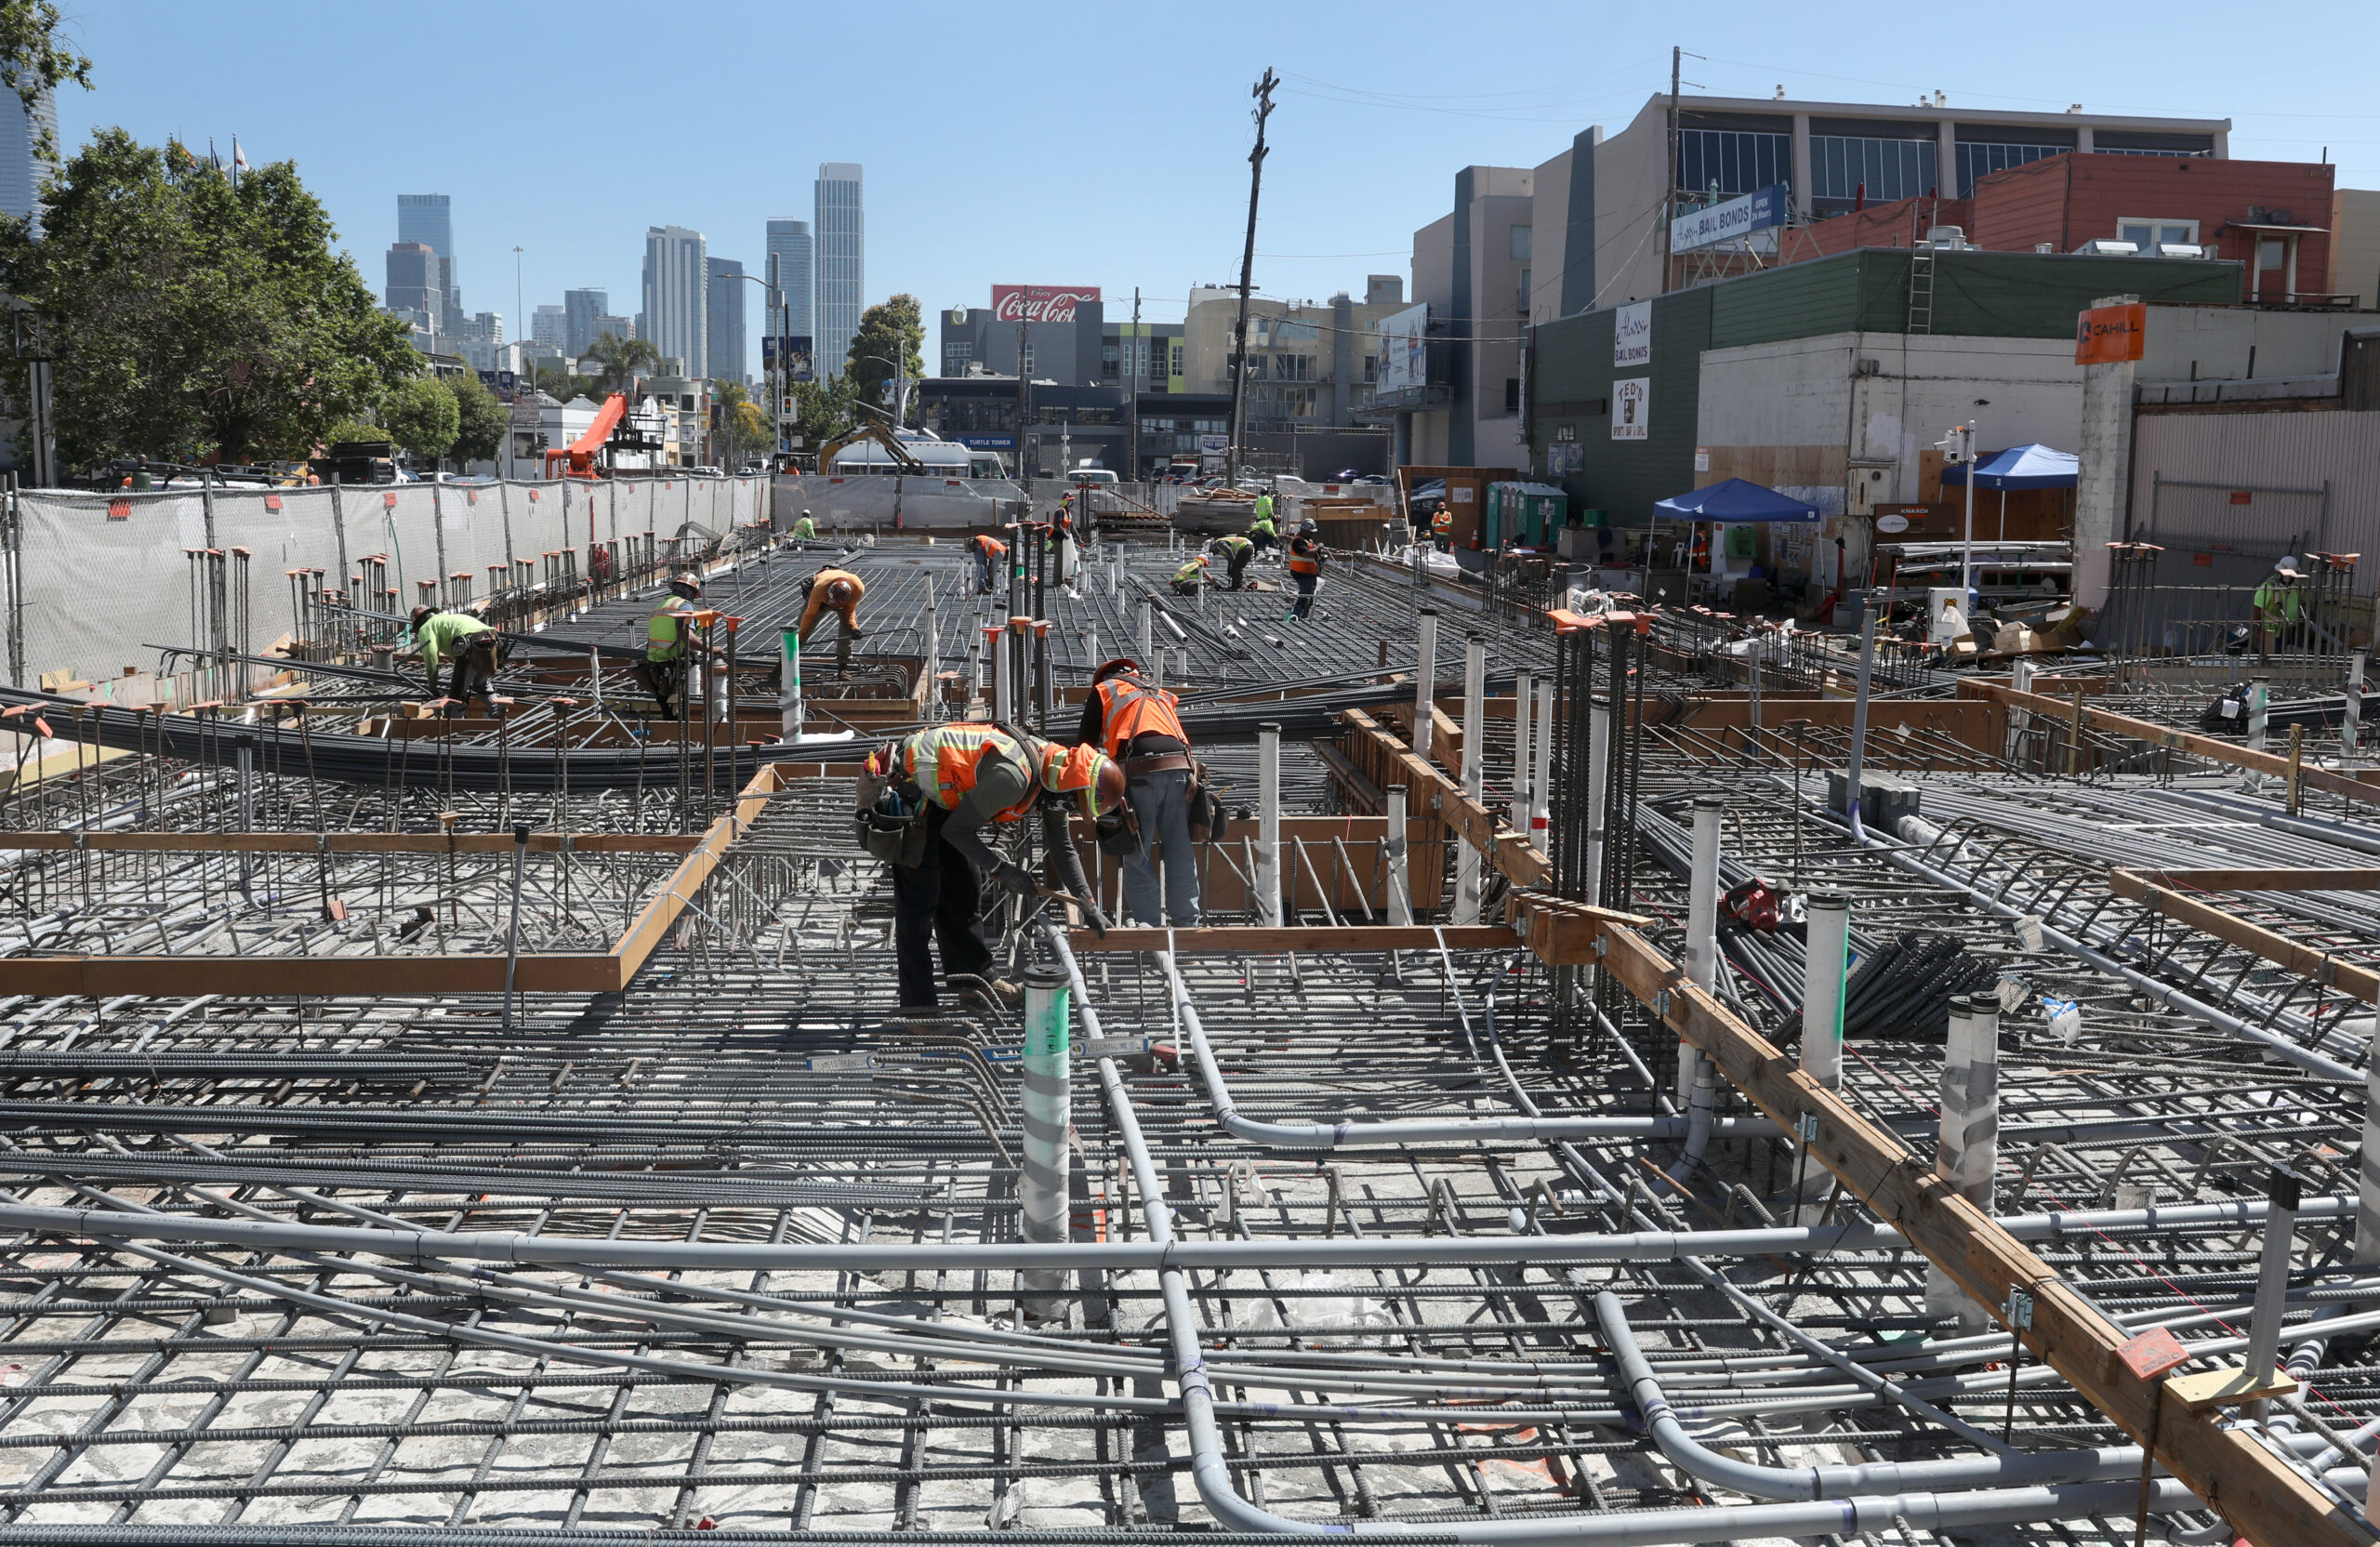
(1112,784)
(1122,665)
(841,592)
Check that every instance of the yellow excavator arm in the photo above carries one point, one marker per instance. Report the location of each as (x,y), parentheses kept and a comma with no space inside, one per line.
(870,430)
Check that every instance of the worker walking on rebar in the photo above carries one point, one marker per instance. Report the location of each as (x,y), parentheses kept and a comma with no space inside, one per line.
(2279,605)
(804,529)
(1306,569)
(1191,576)
(958,780)
(669,636)
(1140,727)
(990,555)
(1065,548)
(1236,552)
(464,641)
(835,590)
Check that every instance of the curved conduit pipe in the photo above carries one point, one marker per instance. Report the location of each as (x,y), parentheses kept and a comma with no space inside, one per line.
(2172,998)
(1351,1131)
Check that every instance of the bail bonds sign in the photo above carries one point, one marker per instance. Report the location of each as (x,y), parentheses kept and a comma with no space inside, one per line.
(1041,303)
(1759,210)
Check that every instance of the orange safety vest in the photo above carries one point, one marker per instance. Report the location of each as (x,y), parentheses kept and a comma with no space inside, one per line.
(1303,560)
(1443,521)
(993,548)
(953,755)
(1134,709)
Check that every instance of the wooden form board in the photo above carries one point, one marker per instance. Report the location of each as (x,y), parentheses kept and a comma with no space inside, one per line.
(1388,761)
(1260,941)
(328,976)
(2347,977)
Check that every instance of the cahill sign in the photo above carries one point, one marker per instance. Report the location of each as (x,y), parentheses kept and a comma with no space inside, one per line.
(1041,303)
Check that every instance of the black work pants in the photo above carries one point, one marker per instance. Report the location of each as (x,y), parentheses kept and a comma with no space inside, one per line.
(940,900)
(1239,561)
(1306,586)
(471,669)
(661,680)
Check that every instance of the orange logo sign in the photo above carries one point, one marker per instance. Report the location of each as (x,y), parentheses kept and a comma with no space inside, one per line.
(2110,334)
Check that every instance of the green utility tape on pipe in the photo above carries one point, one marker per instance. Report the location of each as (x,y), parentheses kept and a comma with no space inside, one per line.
(792,637)
(1048,1036)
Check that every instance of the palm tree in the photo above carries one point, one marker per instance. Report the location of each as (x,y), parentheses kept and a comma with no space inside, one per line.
(622,360)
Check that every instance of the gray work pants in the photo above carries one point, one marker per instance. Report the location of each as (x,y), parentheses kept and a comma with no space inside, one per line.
(1161,801)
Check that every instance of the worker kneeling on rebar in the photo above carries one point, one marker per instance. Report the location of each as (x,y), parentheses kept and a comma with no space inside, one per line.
(469,647)
(669,634)
(924,803)
(1192,577)
(835,590)
(1140,727)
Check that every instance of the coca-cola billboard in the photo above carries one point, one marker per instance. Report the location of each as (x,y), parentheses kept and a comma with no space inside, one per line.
(1041,303)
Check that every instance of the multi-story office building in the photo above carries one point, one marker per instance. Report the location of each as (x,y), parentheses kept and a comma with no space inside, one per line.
(841,270)
(1310,364)
(677,284)
(22,164)
(429,218)
(413,289)
(550,325)
(485,327)
(789,250)
(581,309)
(1587,228)
(617,327)
(725,320)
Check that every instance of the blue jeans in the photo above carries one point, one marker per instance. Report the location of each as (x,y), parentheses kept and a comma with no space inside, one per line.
(1161,801)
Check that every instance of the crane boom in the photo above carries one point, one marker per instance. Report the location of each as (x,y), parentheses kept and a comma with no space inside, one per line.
(578,457)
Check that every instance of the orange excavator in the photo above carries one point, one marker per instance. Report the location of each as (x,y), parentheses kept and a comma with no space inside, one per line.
(578,457)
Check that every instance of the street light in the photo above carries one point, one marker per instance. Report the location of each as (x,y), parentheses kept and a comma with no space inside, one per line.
(900,390)
(770,299)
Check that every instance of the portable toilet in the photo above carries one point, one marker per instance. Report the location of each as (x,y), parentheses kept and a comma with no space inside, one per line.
(1529,514)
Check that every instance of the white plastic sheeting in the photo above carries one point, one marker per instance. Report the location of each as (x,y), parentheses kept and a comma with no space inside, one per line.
(106,574)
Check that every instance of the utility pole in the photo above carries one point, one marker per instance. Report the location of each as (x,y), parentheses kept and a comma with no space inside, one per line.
(1263,95)
(1669,173)
(1140,357)
(1023,401)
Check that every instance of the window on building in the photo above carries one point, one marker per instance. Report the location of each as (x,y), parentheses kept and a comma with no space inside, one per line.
(2271,253)
(2148,233)
(1733,161)
(1263,326)
(1983,158)
(1294,333)
(1517,243)
(1521,300)
(955,358)
(1371,368)
(1841,165)
(1177,361)
(1292,368)
(1109,365)
(1028,357)
(1512,394)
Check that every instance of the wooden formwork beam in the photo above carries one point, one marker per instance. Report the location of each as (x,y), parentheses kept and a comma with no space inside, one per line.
(349,976)
(1509,852)
(1264,941)
(2361,983)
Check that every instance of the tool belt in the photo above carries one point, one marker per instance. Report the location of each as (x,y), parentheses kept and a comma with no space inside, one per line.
(1162,762)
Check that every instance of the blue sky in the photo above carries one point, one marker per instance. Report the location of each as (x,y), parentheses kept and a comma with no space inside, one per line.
(1081,143)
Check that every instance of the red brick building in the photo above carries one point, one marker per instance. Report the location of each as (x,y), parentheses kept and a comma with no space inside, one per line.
(2272,215)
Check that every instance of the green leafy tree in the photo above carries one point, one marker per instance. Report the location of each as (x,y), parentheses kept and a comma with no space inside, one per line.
(744,424)
(352,429)
(32,60)
(621,361)
(422,418)
(823,410)
(891,330)
(481,422)
(185,316)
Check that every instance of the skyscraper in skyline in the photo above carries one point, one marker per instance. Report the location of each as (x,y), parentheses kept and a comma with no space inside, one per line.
(677,276)
(725,320)
(549,325)
(790,244)
(22,166)
(413,285)
(429,218)
(841,265)
(580,310)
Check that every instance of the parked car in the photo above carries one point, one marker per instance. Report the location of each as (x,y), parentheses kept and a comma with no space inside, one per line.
(1423,500)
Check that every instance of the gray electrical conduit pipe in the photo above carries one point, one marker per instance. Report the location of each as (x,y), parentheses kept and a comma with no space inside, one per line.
(1647,1529)
(1351,1131)
(2172,998)
(2098,1464)
(1211,1476)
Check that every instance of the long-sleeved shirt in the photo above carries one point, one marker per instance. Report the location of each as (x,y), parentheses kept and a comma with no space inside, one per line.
(440,634)
(1000,783)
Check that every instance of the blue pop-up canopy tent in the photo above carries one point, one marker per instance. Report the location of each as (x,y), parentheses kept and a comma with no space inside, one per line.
(2029,467)
(1737,499)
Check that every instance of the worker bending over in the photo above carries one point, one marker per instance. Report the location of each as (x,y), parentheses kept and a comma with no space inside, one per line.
(2278,605)
(831,590)
(669,637)
(1261,530)
(804,529)
(989,554)
(1191,576)
(1140,727)
(1236,554)
(464,641)
(961,779)
(1306,569)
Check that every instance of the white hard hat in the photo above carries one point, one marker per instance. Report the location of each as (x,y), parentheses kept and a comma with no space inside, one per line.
(2286,564)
